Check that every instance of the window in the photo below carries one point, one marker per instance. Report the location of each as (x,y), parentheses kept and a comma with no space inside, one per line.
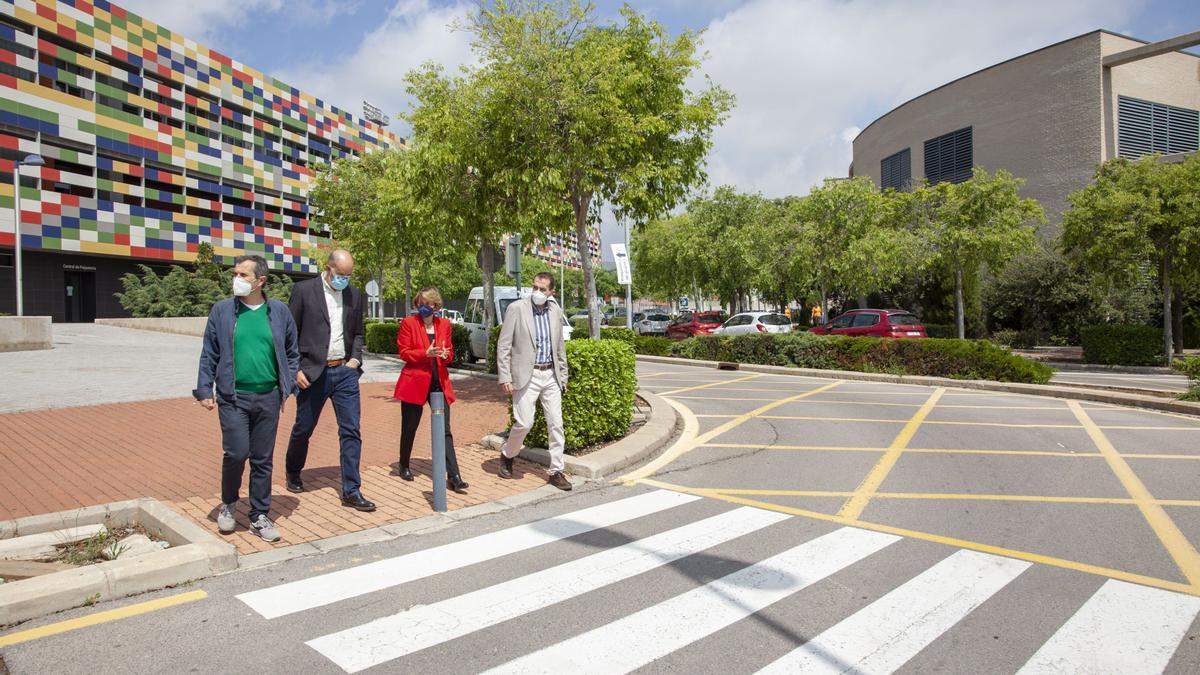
(865,319)
(739,320)
(1145,127)
(896,171)
(774,320)
(842,321)
(949,157)
(472,313)
(903,320)
(6,259)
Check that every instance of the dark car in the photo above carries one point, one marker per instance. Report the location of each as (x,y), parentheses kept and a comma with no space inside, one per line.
(695,323)
(896,323)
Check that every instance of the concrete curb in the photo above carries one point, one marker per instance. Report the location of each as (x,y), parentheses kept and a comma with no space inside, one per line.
(425,525)
(654,435)
(1100,368)
(1058,391)
(194,554)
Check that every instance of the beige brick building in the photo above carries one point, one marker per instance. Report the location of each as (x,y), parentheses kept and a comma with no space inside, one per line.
(1049,116)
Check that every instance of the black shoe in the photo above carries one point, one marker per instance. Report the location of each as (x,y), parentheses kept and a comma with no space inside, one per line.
(358,503)
(405,473)
(457,484)
(294,484)
(560,481)
(506,467)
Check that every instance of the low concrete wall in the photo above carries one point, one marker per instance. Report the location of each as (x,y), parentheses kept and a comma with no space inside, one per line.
(25,333)
(181,325)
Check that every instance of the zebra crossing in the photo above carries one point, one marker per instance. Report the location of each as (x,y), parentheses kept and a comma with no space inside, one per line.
(1120,628)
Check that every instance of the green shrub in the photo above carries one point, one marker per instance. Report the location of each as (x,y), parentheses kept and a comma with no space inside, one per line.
(702,348)
(460,339)
(760,348)
(598,403)
(806,350)
(493,338)
(1124,345)
(652,345)
(381,337)
(579,329)
(941,330)
(1189,366)
(1017,339)
(618,333)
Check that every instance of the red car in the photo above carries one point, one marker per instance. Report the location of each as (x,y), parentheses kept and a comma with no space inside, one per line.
(698,323)
(896,323)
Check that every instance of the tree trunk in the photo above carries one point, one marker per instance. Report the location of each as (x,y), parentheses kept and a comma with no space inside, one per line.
(959,319)
(581,204)
(488,252)
(407,288)
(1177,321)
(1168,341)
(824,305)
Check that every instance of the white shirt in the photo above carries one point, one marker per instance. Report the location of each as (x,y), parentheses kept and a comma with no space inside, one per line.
(333,302)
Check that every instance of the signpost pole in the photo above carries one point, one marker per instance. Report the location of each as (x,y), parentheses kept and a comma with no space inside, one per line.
(437,407)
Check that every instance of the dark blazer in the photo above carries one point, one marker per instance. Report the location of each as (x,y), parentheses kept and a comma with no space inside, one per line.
(312,323)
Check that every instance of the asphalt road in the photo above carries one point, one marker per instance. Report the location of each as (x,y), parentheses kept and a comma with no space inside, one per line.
(799,525)
(1150,381)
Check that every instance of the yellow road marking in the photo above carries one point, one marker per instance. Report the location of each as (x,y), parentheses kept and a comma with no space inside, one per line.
(719,398)
(1139,428)
(854,506)
(688,442)
(711,384)
(952,451)
(100,617)
(1177,545)
(940,539)
(941,422)
(957,496)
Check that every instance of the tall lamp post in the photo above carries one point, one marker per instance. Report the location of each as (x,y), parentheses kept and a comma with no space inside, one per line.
(30,160)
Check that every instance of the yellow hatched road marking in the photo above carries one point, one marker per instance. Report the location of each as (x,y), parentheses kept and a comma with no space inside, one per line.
(938,539)
(711,384)
(951,451)
(854,506)
(99,618)
(956,496)
(689,441)
(1168,533)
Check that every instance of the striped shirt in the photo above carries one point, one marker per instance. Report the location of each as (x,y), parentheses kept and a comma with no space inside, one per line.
(541,334)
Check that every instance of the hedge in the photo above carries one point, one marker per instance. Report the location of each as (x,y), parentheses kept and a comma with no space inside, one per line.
(381,339)
(652,345)
(941,330)
(493,338)
(960,359)
(1122,345)
(598,403)
(1190,366)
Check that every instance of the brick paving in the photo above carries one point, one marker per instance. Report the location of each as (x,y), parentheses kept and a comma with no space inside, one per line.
(58,459)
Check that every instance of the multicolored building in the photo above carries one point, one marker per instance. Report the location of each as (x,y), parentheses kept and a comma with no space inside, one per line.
(153,144)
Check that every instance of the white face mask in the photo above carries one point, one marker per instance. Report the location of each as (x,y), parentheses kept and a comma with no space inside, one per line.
(241,287)
(539,298)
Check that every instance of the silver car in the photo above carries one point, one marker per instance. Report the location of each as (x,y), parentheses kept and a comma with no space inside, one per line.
(651,323)
(755,322)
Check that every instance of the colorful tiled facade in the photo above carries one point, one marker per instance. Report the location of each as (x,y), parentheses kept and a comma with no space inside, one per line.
(154,144)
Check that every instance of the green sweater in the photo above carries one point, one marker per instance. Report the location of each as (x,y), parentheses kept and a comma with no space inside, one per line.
(255,368)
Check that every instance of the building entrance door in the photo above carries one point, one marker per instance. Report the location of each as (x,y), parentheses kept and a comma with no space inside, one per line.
(79,290)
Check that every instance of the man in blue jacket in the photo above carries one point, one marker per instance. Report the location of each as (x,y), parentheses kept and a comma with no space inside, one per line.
(250,354)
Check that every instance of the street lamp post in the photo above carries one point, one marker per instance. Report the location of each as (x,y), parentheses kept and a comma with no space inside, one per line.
(30,160)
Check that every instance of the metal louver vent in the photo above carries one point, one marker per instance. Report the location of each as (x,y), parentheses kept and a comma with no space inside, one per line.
(1145,127)
(949,157)
(895,171)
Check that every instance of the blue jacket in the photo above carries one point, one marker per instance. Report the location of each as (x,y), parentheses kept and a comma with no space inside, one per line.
(216,355)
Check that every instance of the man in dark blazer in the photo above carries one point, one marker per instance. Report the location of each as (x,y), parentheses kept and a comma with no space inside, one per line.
(329,319)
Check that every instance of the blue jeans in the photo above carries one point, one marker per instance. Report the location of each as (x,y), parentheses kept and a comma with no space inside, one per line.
(341,385)
(248,424)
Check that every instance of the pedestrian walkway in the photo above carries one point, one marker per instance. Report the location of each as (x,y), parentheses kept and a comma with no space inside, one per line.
(670,597)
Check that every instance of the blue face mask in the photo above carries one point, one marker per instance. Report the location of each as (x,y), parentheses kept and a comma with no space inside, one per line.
(338,282)
(426,311)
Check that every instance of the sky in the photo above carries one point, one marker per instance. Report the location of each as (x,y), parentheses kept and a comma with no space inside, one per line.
(808,74)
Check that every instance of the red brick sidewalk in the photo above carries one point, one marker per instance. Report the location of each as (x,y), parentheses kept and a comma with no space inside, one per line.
(59,459)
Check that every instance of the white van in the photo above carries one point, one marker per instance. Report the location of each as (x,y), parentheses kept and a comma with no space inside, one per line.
(473,316)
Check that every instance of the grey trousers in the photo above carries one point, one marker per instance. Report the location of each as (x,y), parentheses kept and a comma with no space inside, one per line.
(248,425)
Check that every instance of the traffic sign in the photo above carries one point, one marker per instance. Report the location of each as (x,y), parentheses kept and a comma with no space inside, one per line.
(683,301)
(372,289)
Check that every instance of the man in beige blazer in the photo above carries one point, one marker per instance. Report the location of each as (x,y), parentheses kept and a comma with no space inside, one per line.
(532,365)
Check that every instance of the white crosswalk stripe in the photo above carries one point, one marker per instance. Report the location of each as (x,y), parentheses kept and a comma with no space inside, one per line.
(1119,628)
(652,633)
(328,588)
(1122,628)
(887,633)
(394,636)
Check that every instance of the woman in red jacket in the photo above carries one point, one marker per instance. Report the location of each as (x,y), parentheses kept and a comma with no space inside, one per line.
(425,340)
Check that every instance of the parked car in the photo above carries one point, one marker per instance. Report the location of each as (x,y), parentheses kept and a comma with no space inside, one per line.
(453,315)
(473,317)
(897,323)
(755,322)
(694,323)
(651,323)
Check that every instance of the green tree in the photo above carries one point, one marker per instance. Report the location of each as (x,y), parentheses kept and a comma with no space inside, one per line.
(982,221)
(593,114)
(1137,216)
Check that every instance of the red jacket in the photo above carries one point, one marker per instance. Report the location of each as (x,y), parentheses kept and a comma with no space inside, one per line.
(413,385)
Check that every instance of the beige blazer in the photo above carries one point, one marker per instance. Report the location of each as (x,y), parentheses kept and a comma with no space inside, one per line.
(515,349)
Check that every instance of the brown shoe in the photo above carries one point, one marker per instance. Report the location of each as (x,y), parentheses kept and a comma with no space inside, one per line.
(560,481)
(506,467)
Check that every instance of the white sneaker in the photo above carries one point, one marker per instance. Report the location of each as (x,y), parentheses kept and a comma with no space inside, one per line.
(263,527)
(225,522)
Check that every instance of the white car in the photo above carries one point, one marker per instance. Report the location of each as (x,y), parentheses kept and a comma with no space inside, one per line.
(453,315)
(755,322)
(651,323)
(474,316)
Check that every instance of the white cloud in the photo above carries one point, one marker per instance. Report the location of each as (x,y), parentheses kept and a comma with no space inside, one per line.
(808,73)
(414,31)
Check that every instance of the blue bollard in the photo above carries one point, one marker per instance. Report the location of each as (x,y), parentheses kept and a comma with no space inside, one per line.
(437,406)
